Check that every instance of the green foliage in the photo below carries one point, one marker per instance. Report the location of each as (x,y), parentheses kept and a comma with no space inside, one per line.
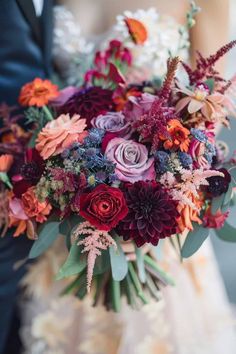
(48,233)
(119,265)
(75,263)
(194,240)
(38,118)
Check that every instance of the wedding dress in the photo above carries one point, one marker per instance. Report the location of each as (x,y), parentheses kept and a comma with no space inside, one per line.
(192,317)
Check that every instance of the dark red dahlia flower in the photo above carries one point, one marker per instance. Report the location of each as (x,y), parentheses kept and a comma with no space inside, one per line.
(29,173)
(89,103)
(33,167)
(152,213)
(217,184)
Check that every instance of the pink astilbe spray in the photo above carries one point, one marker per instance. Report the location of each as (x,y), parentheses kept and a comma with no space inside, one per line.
(190,184)
(94,242)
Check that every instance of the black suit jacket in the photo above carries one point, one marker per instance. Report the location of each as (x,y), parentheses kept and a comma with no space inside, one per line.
(25,52)
(25,45)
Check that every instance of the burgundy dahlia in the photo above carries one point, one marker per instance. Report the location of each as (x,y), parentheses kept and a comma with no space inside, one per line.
(89,103)
(217,184)
(152,213)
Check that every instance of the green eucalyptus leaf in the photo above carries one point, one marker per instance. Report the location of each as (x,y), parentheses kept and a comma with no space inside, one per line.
(75,263)
(228,195)
(119,264)
(217,203)
(102,263)
(194,240)
(140,264)
(232,172)
(48,233)
(227,233)
(69,223)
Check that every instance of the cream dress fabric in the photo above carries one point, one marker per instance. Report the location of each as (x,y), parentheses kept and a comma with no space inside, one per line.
(191,318)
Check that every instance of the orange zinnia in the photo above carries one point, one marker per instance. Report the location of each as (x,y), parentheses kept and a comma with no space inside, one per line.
(5,162)
(38,93)
(179,136)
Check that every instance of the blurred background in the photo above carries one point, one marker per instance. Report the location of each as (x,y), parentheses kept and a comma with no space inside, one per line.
(225,252)
(102,14)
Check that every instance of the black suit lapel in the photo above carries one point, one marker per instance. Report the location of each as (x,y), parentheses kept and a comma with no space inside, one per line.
(28,11)
(47,28)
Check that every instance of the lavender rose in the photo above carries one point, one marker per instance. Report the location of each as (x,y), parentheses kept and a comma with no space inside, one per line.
(113,122)
(131,159)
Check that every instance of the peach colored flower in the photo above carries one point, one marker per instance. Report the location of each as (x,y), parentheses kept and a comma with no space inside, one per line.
(38,93)
(179,136)
(19,219)
(212,106)
(59,134)
(188,214)
(33,208)
(5,162)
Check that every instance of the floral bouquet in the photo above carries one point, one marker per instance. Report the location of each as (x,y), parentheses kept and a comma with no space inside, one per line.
(114,167)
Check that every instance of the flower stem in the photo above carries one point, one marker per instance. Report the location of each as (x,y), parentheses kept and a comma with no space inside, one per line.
(47,113)
(137,283)
(116,296)
(156,267)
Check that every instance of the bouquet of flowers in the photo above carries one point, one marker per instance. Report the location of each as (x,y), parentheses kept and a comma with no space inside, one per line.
(115,166)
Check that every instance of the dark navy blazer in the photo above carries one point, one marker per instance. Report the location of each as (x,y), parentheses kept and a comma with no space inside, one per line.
(25,52)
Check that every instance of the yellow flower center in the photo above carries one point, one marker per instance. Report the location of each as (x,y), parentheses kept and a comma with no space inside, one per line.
(200,94)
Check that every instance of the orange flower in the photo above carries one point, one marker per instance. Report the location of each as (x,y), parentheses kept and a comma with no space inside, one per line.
(5,162)
(188,214)
(178,136)
(37,93)
(33,208)
(59,134)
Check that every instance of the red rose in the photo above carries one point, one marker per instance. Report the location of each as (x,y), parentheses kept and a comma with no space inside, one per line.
(104,207)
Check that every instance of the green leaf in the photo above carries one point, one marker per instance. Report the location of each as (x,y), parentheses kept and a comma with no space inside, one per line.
(194,240)
(48,233)
(227,233)
(217,203)
(69,223)
(232,172)
(210,83)
(119,264)
(228,195)
(75,263)
(140,264)
(102,263)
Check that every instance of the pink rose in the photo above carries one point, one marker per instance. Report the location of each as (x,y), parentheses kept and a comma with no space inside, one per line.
(113,122)
(138,106)
(197,150)
(131,159)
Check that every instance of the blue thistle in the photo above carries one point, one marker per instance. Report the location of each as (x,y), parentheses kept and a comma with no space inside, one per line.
(185,159)
(162,160)
(199,135)
(94,138)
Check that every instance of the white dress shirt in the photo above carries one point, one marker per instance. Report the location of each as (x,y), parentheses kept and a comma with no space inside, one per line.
(38,5)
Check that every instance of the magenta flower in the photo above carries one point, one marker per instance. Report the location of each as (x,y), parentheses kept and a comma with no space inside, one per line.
(138,106)
(131,160)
